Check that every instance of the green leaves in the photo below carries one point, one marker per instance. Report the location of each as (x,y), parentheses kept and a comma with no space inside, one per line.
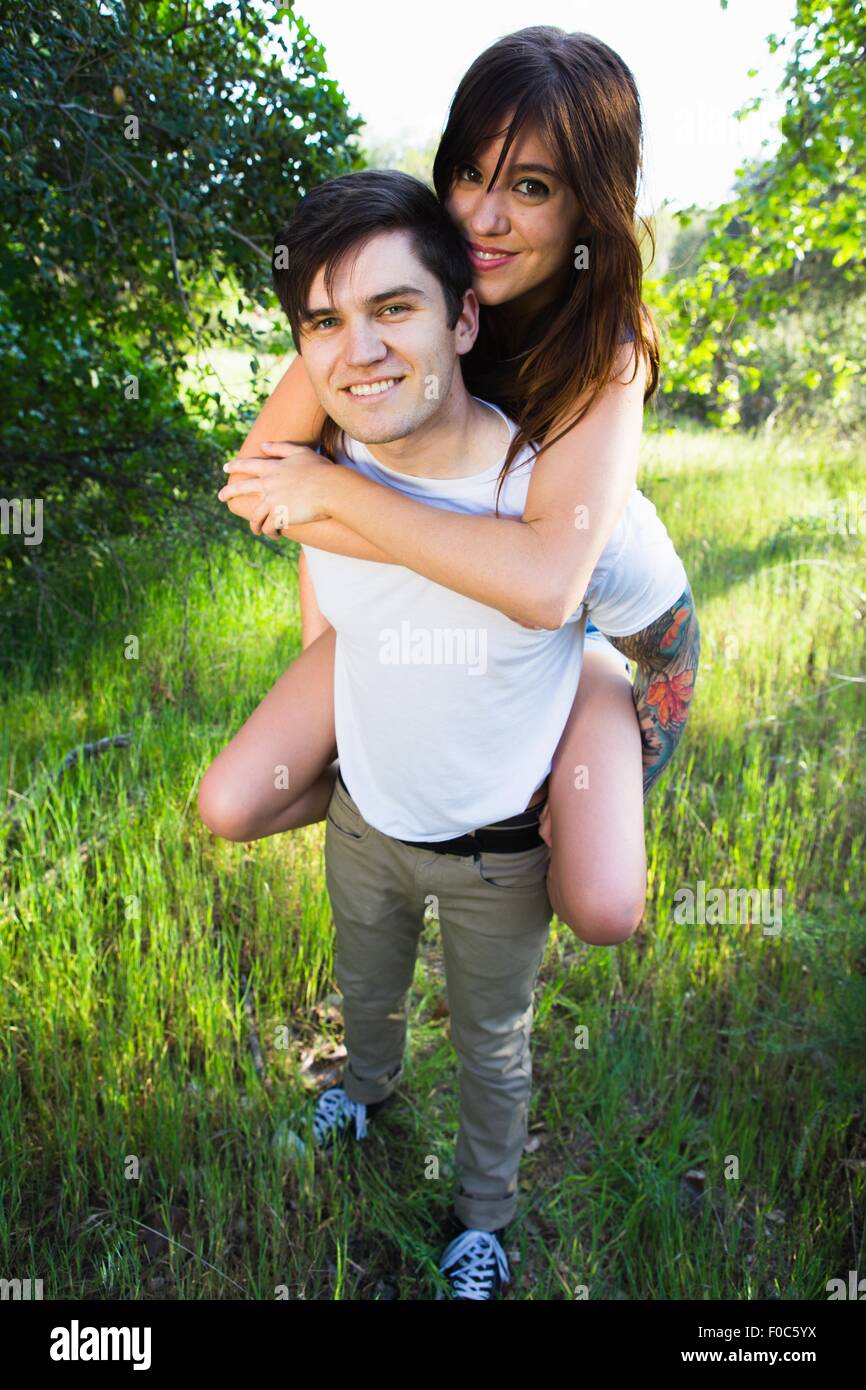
(788,248)
(150,151)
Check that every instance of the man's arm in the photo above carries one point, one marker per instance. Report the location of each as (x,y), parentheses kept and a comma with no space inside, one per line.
(667,654)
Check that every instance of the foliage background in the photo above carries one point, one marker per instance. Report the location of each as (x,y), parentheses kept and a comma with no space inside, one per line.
(141,957)
(149,151)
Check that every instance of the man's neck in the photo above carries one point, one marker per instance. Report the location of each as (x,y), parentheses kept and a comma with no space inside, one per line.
(462,438)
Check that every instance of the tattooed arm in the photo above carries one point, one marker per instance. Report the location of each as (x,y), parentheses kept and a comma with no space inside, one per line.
(667,654)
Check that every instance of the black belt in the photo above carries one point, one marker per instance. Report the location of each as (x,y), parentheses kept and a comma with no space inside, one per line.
(503,837)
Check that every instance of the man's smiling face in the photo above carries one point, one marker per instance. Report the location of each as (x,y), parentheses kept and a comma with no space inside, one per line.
(378,350)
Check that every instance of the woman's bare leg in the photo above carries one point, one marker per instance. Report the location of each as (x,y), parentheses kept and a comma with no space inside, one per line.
(594,817)
(275,775)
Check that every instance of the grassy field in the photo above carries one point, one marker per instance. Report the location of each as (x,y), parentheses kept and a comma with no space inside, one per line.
(708,1143)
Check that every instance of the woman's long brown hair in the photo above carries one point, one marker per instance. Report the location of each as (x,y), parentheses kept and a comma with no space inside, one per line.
(584,103)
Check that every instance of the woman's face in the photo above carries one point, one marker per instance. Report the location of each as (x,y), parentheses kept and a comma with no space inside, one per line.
(521,234)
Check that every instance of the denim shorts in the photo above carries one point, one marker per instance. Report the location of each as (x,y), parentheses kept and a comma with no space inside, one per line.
(598,639)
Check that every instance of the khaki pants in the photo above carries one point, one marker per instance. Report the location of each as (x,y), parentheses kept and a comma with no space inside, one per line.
(494,916)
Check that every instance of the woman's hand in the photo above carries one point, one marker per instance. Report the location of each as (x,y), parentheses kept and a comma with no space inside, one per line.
(247,503)
(285,489)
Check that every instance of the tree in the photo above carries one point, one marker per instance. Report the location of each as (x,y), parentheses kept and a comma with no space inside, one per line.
(150,151)
(794,231)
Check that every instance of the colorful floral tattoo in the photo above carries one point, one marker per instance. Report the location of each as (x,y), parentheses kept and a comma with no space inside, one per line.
(667,654)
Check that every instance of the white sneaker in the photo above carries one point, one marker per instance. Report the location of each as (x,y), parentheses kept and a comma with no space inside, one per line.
(333,1114)
(475,1265)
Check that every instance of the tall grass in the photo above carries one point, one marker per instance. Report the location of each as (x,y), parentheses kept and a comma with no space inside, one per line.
(708,1142)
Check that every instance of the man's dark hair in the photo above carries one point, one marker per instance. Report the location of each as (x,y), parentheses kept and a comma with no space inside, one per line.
(340,215)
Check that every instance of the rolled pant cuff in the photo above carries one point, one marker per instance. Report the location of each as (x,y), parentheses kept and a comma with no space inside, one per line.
(370,1092)
(485,1213)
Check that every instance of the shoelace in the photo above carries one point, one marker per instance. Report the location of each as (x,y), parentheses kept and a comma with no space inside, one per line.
(333,1109)
(480,1253)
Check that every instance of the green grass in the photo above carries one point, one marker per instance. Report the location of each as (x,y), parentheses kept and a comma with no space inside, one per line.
(709,1141)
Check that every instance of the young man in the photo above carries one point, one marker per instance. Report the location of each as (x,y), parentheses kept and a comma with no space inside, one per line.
(447,711)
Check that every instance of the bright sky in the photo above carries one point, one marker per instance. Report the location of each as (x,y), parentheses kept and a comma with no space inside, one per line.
(399,62)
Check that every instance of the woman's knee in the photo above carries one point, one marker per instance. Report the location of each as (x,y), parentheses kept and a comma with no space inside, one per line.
(222,810)
(603,917)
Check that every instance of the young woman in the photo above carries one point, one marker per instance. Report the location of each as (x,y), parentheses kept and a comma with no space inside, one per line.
(540,158)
